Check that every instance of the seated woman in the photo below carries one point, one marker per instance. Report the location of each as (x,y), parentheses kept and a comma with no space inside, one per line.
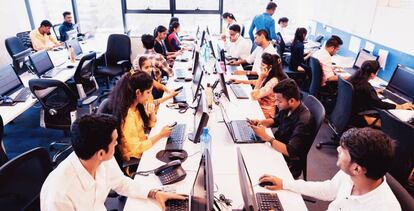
(160,34)
(366,97)
(297,58)
(173,39)
(270,75)
(130,104)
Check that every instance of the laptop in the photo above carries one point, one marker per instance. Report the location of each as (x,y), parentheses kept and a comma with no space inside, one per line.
(74,43)
(262,201)
(11,83)
(363,55)
(43,65)
(240,130)
(400,88)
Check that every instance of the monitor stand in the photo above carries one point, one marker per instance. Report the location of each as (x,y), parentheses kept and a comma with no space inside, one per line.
(191,137)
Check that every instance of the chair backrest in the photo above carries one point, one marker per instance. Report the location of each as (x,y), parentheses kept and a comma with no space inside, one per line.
(56,30)
(243,28)
(403,134)
(3,155)
(404,198)
(317,110)
(57,101)
(316,70)
(104,107)
(14,47)
(282,44)
(24,37)
(21,179)
(342,111)
(319,38)
(118,48)
(84,73)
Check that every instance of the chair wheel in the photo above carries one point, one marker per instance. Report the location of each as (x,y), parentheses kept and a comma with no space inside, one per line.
(318,146)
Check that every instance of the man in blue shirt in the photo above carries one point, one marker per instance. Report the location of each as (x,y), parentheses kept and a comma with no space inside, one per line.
(66,26)
(265,21)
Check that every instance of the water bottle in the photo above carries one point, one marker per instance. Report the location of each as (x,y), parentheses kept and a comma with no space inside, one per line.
(205,140)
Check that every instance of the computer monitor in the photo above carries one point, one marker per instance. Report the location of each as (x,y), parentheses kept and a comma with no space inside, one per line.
(246,186)
(198,32)
(74,43)
(196,58)
(212,48)
(72,34)
(197,79)
(203,37)
(202,193)
(208,31)
(223,85)
(9,80)
(200,118)
(402,83)
(41,62)
(363,55)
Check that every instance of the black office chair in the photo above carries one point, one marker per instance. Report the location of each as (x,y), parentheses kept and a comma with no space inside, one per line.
(404,198)
(19,53)
(319,38)
(3,154)
(21,180)
(117,58)
(84,78)
(56,30)
(318,114)
(243,29)
(24,37)
(339,118)
(327,98)
(403,134)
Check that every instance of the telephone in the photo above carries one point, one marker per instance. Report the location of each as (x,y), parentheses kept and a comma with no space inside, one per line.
(171,172)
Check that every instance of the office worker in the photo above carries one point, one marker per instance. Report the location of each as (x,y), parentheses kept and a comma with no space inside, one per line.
(282,28)
(324,55)
(173,19)
(265,21)
(41,37)
(157,59)
(364,157)
(238,47)
(160,35)
(270,75)
(294,123)
(131,103)
(229,20)
(83,180)
(298,57)
(173,39)
(66,26)
(365,95)
(264,45)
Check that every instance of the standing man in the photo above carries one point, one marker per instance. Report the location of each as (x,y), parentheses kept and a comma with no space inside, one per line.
(41,38)
(265,21)
(66,26)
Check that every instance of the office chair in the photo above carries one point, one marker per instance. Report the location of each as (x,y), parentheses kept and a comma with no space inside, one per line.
(339,118)
(84,78)
(18,52)
(56,30)
(243,28)
(404,198)
(21,180)
(319,38)
(3,154)
(117,58)
(327,98)
(24,37)
(403,134)
(318,115)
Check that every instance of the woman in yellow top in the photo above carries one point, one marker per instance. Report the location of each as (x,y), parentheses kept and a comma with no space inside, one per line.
(129,103)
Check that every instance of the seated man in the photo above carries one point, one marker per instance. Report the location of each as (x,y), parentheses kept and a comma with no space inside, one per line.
(364,156)
(66,26)
(324,55)
(157,60)
(83,180)
(42,39)
(238,47)
(293,138)
(264,45)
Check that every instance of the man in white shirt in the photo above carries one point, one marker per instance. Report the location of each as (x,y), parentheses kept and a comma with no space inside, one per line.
(264,45)
(364,157)
(286,36)
(238,47)
(83,180)
(324,55)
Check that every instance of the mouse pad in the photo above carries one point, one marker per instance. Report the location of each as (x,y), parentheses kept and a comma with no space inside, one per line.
(163,155)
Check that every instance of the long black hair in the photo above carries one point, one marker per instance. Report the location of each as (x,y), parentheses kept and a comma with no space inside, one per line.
(228,15)
(159,29)
(362,76)
(300,35)
(124,95)
(276,67)
(173,26)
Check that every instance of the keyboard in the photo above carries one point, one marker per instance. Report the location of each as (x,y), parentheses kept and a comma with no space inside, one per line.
(239,91)
(268,201)
(393,97)
(181,97)
(245,131)
(23,95)
(176,205)
(176,139)
(53,72)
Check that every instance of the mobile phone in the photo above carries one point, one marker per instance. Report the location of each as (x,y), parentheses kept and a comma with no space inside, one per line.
(178,89)
(173,124)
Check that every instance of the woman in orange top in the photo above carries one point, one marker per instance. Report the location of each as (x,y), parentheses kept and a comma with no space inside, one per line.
(129,103)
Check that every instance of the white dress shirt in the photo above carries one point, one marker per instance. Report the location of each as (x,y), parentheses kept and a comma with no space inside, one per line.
(256,56)
(239,49)
(338,190)
(325,59)
(71,187)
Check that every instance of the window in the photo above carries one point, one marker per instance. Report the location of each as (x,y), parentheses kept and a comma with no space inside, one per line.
(51,10)
(148,4)
(189,23)
(146,23)
(197,4)
(102,15)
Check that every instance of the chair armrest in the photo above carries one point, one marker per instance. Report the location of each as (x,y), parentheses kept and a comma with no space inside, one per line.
(88,100)
(122,62)
(125,64)
(22,54)
(131,162)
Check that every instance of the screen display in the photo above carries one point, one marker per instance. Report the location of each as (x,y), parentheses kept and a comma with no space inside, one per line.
(402,81)
(41,62)
(9,80)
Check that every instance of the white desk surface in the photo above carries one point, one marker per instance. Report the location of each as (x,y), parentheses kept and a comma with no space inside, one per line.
(60,60)
(259,158)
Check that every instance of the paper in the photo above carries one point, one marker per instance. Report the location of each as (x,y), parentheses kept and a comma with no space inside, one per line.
(383,55)
(354,44)
(403,115)
(369,46)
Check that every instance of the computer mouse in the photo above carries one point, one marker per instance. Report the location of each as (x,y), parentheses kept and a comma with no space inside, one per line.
(188,79)
(177,156)
(70,66)
(264,184)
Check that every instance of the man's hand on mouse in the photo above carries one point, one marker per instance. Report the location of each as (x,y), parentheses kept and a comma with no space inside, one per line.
(277,182)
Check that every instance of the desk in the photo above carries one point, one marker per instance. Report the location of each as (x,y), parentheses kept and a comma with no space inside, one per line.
(60,60)
(224,159)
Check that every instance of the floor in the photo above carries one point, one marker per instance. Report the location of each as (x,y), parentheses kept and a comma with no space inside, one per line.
(24,133)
